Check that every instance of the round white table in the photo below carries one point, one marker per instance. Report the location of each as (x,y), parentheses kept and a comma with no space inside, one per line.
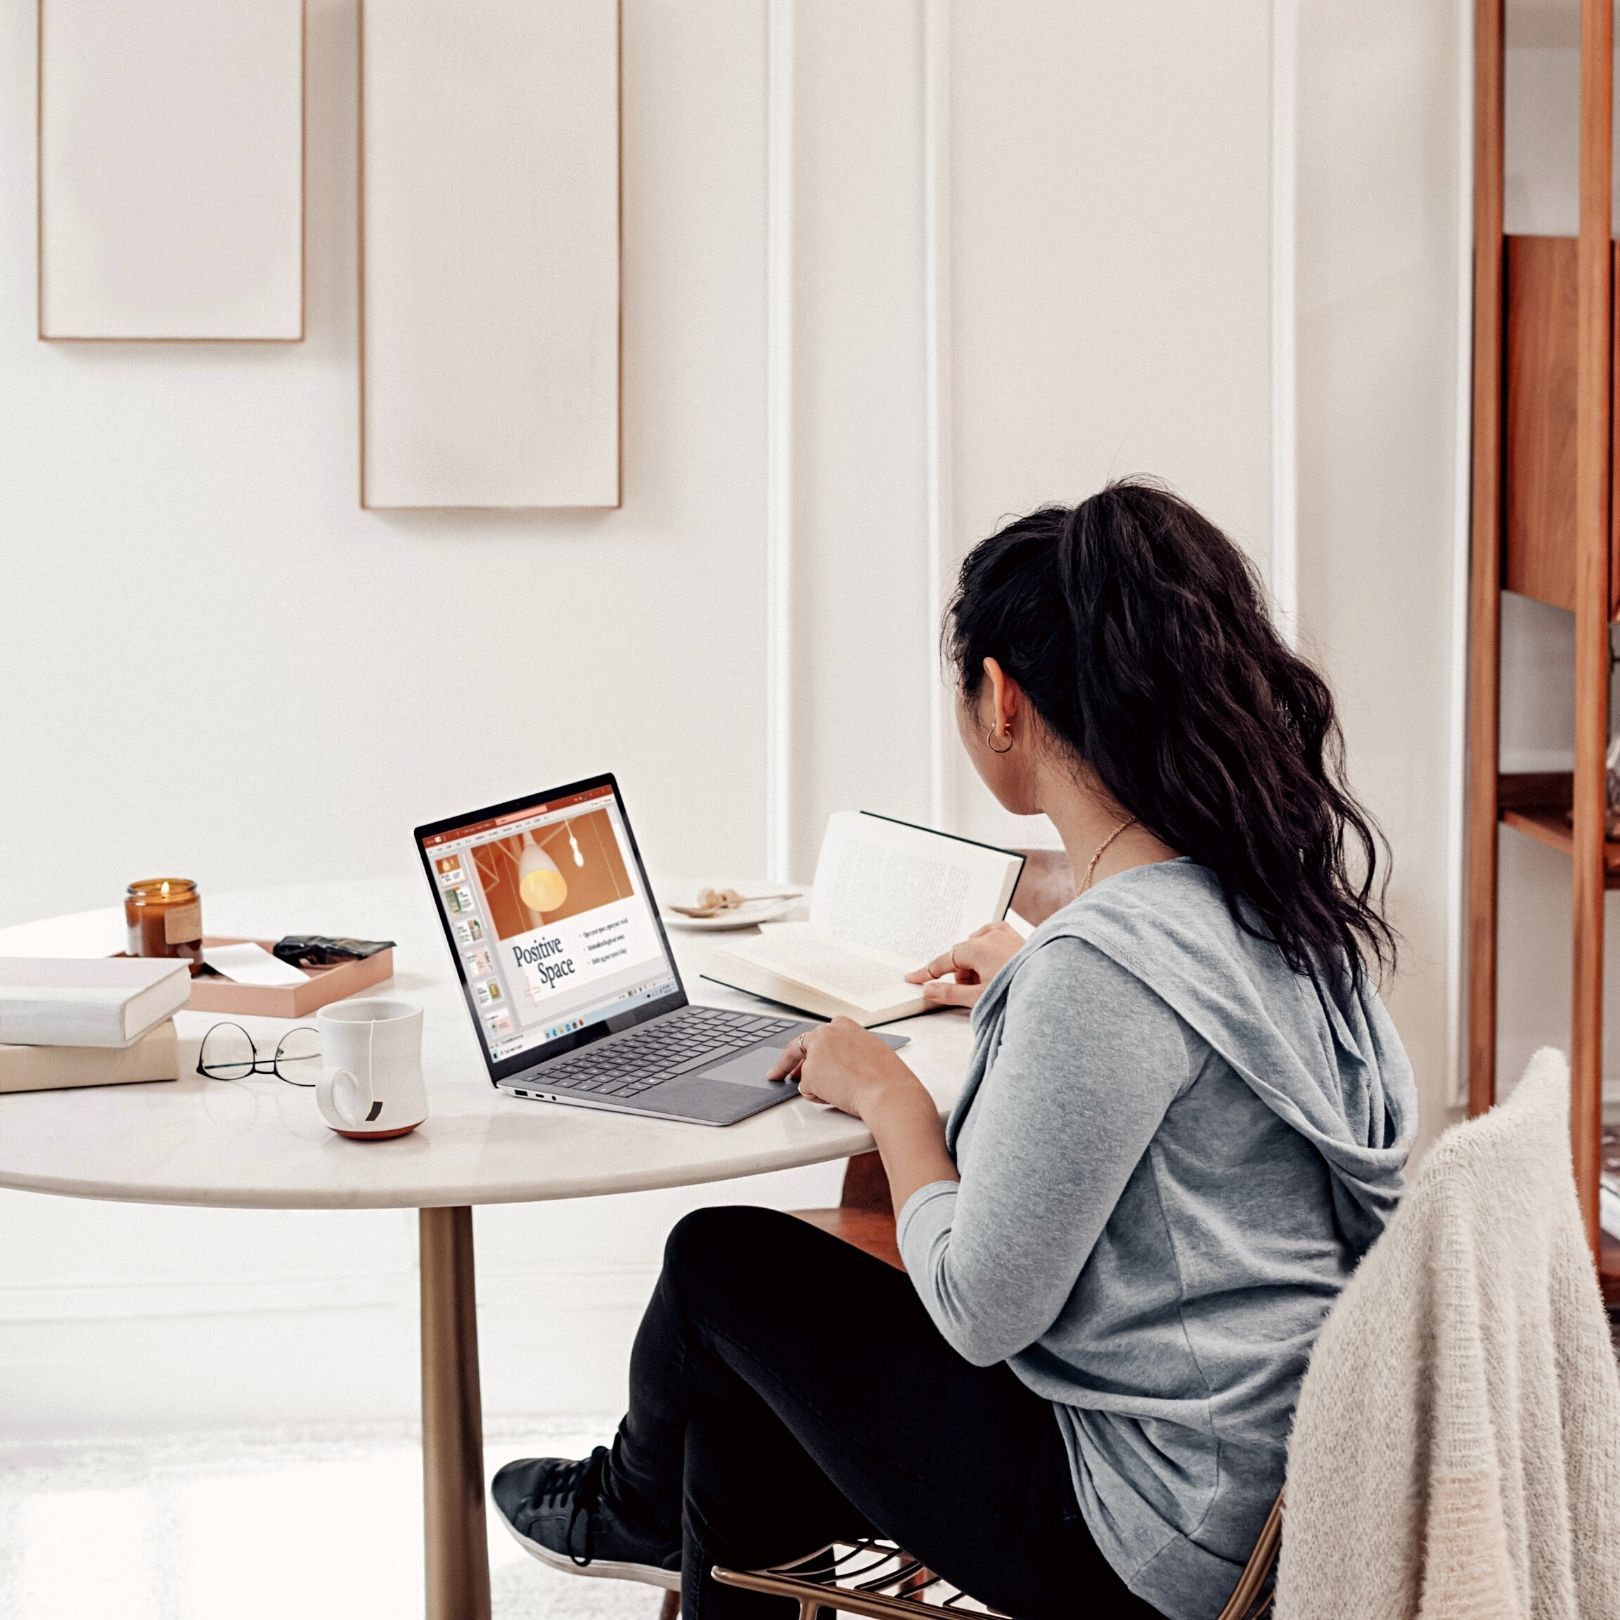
(260,1144)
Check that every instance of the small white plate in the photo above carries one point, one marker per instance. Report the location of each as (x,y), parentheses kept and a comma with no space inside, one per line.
(749,914)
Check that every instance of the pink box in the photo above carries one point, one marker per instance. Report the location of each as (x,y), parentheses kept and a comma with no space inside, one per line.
(321,985)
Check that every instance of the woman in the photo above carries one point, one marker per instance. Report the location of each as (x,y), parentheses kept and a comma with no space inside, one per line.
(1184,1122)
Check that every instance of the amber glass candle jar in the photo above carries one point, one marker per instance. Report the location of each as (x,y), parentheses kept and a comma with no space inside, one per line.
(164,918)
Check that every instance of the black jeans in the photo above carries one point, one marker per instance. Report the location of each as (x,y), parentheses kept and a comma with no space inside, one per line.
(787,1390)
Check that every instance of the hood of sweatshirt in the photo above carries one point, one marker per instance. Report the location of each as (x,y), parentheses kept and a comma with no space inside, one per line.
(1325,1059)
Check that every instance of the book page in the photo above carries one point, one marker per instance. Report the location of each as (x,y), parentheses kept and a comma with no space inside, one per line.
(904,892)
(796,951)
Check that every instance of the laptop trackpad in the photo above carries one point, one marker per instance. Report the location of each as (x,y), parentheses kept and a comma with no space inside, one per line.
(748,1068)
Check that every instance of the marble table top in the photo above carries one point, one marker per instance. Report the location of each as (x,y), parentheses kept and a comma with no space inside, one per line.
(259,1143)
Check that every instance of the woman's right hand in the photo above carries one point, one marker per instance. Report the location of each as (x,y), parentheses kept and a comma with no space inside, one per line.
(957,977)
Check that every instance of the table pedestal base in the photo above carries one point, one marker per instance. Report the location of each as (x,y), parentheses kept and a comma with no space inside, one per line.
(457,1551)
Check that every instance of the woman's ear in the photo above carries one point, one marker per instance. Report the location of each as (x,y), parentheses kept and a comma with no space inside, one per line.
(1006,703)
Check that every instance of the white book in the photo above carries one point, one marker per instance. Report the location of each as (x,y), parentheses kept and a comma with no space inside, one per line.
(888,897)
(88,1001)
(155,1056)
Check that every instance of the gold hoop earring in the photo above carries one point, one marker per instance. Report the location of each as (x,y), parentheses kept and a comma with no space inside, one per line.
(990,740)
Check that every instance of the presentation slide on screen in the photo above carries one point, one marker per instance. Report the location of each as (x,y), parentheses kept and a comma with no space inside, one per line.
(570,926)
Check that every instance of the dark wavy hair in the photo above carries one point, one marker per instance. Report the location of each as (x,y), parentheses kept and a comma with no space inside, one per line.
(1139,633)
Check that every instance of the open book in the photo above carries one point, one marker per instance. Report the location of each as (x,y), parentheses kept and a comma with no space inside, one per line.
(888,897)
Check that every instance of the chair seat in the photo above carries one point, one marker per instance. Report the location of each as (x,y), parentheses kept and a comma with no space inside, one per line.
(867,1577)
(869,1230)
(875,1578)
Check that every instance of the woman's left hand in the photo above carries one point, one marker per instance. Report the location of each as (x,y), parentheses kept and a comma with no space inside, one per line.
(844,1065)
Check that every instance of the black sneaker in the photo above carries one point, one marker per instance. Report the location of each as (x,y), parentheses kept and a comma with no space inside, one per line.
(554,1510)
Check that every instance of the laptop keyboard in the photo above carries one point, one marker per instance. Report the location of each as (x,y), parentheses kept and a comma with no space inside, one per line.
(688,1039)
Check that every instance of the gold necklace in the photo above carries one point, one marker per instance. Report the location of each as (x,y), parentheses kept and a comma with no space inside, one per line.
(1102,849)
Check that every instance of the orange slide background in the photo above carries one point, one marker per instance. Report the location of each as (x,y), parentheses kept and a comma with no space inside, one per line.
(601,880)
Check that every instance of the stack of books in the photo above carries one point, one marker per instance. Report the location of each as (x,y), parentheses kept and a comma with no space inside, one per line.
(96,1021)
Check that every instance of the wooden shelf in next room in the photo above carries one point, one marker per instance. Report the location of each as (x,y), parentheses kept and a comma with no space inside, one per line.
(1537,805)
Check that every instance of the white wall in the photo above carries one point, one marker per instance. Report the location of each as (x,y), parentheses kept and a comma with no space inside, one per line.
(1541,197)
(1541,124)
(1013,251)
(1383,271)
(250,675)
(1381,274)
(1136,201)
(1110,197)
(213,662)
(854,698)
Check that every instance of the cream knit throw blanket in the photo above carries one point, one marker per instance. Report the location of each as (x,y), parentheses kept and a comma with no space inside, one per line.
(1455,1453)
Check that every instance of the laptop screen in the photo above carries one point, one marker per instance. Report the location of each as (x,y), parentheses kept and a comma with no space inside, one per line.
(549,917)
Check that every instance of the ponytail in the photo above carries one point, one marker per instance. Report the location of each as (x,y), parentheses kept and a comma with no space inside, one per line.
(1138,632)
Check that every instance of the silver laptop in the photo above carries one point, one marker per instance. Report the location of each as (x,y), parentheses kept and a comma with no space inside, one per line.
(568,973)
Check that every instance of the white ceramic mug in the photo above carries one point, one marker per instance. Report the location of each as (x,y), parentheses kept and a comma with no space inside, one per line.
(371,1082)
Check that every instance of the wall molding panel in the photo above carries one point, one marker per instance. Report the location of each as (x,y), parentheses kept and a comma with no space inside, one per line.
(1284,320)
(169,167)
(857,464)
(779,147)
(489,254)
(943,547)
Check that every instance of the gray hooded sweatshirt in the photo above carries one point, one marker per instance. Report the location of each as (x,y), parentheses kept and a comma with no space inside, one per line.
(1173,1152)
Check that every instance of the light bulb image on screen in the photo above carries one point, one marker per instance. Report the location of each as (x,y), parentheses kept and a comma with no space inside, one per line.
(541,885)
(544,891)
(543,875)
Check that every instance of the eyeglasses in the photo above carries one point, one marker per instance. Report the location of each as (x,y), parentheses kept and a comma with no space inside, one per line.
(228,1053)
